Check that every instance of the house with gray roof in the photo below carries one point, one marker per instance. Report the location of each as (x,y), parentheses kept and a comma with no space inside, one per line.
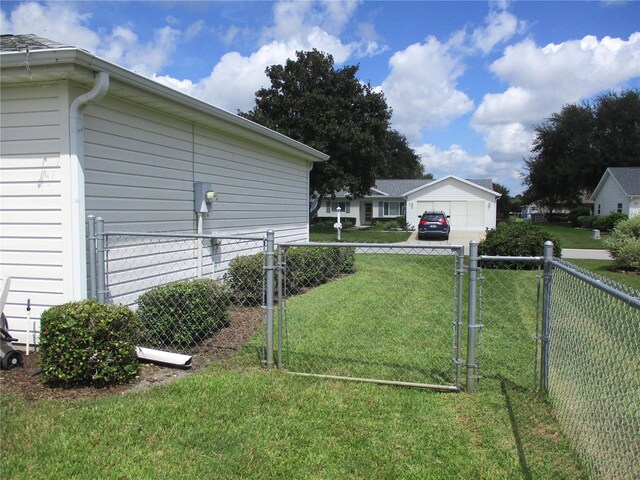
(80,135)
(471,204)
(618,191)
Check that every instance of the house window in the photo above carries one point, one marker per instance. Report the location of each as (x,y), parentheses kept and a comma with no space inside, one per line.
(619,208)
(344,206)
(393,209)
(598,209)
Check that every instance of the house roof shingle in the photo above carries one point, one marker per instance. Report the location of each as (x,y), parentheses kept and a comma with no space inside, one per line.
(21,43)
(628,178)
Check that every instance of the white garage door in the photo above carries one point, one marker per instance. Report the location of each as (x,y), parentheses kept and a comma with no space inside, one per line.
(465,215)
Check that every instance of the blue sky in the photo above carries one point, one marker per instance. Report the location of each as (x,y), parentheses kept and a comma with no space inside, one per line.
(467,81)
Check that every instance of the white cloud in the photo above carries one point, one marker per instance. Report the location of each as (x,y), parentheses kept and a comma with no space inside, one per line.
(543,79)
(69,26)
(455,160)
(500,26)
(123,47)
(421,88)
(297,26)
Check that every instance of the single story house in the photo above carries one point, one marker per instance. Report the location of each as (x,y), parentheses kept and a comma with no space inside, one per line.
(471,204)
(618,191)
(80,136)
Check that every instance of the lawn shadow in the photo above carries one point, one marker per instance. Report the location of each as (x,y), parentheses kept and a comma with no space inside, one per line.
(536,433)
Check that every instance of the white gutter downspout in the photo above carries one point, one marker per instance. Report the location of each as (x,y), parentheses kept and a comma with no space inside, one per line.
(76,154)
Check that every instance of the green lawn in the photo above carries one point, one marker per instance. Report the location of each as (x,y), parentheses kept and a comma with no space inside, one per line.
(571,237)
(322,233)
(237,420)
(606,268)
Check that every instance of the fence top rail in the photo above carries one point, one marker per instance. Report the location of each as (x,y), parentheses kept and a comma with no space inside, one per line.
(500,258)
(372,245)
(187,235)
(628,299)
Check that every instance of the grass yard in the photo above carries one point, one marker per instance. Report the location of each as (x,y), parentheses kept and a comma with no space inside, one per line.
(606,268)
(571,237)
(237,420)
(322,233)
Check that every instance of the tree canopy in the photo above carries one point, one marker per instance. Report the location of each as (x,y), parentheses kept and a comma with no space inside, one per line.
(332,111)
(573,148)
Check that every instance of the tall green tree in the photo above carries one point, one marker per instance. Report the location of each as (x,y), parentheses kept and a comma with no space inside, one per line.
(573,148)
(330,110)
(401,160)
(504,202)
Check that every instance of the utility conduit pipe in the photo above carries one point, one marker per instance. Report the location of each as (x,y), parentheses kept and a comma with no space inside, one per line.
(76,154)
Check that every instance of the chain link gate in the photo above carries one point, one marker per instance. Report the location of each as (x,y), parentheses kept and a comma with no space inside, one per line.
(388,314)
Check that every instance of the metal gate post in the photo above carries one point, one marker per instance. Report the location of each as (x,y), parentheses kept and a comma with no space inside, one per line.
(100,261)
(546,315)
(91,236)
(460,269)
(280,306)
(471,333)
(269,294)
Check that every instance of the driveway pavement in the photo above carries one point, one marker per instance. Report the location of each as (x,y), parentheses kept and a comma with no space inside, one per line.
(455,238)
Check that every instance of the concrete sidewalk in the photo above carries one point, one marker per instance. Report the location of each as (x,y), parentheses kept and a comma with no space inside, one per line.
(584,253)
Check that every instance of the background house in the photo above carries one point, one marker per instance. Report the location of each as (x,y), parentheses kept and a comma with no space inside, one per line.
(81,136)
(471,204)
(618,191)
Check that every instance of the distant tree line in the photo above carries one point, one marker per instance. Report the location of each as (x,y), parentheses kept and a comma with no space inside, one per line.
(573,148)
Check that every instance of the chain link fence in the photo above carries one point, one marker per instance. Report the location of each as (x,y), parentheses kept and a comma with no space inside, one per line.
(509,321)
(386,313)
(594,369)
(189,291)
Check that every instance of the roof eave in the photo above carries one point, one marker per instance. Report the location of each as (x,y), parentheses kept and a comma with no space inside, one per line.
(72,63)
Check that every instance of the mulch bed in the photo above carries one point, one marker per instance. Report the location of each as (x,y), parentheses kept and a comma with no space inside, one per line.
(25,382)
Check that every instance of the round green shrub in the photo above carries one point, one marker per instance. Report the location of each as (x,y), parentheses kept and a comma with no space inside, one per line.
(608,222)
(576,213)
(88,343)
(245,278)
(624,243)
(518,239)
(182,314)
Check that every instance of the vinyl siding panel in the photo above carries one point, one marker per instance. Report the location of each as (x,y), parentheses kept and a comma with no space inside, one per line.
(609,196)
(32,200)
(141,166)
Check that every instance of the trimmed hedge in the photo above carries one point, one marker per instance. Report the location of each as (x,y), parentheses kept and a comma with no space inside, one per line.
(307,267)
(88,343)
(516,239)
(607,223)
(245,278)
(182,314)
(576,213)
(624,244)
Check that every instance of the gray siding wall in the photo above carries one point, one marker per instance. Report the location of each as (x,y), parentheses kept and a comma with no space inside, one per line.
(33,200)
(141,165)
(608,198)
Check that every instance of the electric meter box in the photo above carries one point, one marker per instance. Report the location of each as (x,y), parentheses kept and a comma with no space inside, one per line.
(204,197)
